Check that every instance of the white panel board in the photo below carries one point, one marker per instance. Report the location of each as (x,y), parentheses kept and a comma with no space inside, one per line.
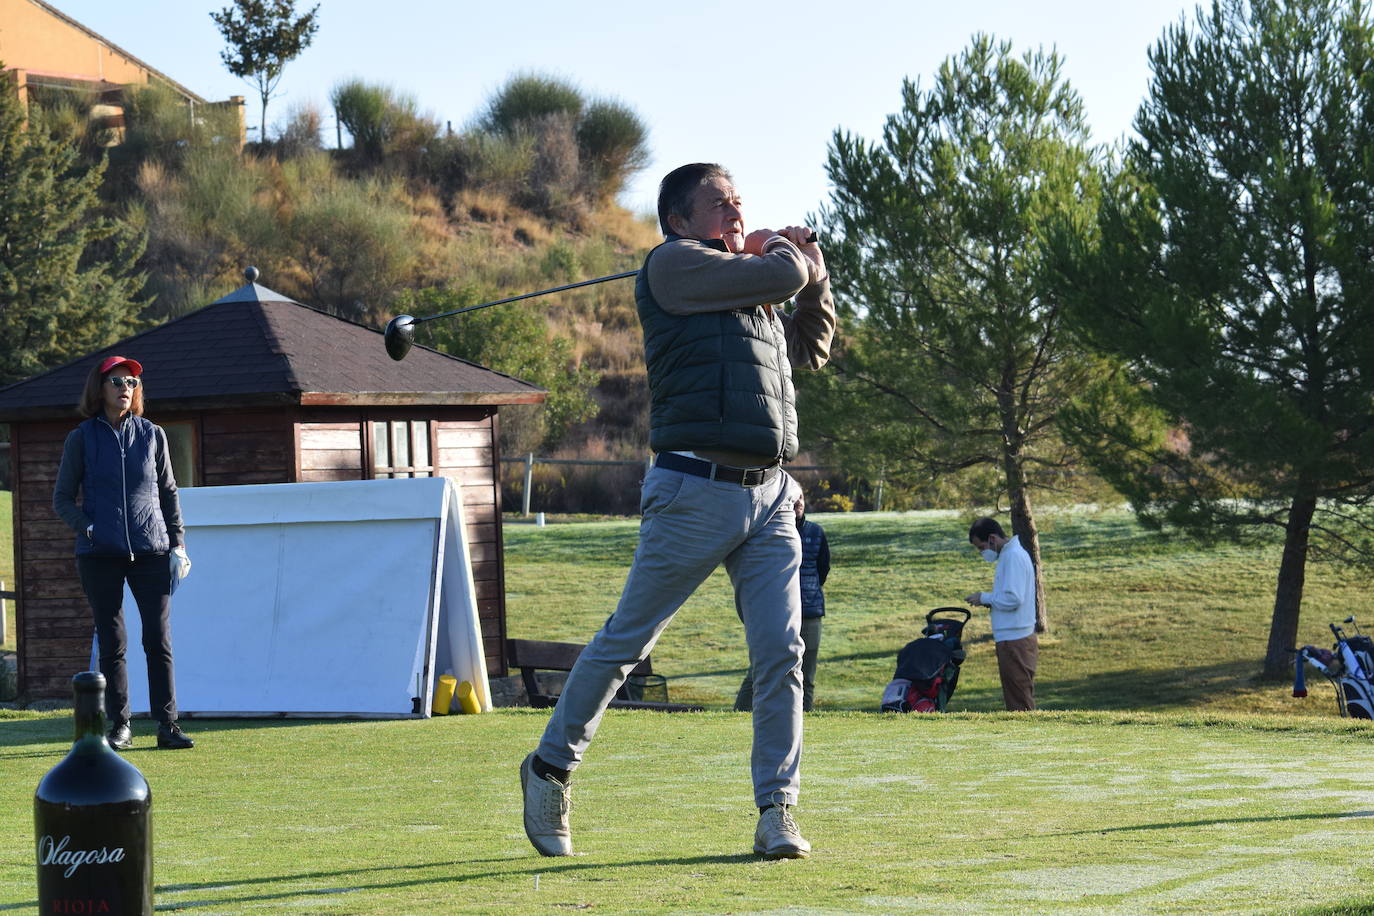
(320,599)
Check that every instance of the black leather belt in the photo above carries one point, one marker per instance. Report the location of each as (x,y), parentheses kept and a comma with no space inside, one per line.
(745,477)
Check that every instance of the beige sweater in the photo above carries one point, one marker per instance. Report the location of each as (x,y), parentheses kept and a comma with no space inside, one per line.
(687,277)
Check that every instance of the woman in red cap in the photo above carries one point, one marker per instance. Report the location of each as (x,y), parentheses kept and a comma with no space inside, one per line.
(127,524)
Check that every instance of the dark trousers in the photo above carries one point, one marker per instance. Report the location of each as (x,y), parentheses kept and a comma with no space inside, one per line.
(150,580)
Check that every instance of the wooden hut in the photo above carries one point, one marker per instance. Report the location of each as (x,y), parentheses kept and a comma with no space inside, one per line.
(256,388)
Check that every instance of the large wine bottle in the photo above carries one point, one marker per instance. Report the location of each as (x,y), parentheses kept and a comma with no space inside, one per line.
(92,819)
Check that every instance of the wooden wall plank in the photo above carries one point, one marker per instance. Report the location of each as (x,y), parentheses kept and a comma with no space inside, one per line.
(313,437)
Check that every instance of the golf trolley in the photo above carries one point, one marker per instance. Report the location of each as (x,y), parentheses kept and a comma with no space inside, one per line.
(1348,665)
(928,668)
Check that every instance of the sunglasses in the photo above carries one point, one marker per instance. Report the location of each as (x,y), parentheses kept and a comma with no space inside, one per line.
(123,381)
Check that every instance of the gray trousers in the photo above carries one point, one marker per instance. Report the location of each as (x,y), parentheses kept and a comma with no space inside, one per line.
(690,526)
(811,638)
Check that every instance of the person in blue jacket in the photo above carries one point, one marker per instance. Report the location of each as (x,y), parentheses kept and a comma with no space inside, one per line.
(128,529)
(815,568)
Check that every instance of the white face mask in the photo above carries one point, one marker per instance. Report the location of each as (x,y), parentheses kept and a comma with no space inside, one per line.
(990,555)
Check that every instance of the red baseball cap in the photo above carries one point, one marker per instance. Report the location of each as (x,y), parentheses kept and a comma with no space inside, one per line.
(113,361)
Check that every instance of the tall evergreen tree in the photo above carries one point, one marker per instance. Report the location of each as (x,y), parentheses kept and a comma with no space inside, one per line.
(955,359)
(1232,267)
(67,278)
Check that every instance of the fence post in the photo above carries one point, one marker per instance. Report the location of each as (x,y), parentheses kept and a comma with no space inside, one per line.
(529,479)
(3,638)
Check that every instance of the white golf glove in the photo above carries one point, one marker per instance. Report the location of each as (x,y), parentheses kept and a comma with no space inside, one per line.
(181,566)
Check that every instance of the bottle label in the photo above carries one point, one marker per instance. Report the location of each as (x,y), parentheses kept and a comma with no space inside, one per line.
(50,853)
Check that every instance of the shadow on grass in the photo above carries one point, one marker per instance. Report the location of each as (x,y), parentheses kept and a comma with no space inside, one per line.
(825,660)
(536,866)
(1216,822)
(58,731)
(1148,688)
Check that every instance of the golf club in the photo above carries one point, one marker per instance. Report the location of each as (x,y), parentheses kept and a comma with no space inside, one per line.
(399,334)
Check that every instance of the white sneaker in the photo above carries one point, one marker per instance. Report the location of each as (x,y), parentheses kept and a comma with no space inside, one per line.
(777,836)
(547,802)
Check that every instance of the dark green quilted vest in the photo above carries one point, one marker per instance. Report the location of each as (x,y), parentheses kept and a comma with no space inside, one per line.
(717,380)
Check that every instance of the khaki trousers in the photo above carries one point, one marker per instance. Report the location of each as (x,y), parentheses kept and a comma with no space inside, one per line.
(1016,661)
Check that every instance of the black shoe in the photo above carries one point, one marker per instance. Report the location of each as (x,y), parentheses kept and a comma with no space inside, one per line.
(120,738)
(170,737)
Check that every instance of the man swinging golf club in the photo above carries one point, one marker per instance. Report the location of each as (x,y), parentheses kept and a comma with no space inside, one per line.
(722,420)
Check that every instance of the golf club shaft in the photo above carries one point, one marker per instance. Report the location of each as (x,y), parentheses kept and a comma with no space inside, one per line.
(542,292)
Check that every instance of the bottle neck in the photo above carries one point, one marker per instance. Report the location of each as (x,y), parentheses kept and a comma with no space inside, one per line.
(88,708)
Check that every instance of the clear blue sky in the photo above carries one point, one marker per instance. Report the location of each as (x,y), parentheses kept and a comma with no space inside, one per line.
(757,87)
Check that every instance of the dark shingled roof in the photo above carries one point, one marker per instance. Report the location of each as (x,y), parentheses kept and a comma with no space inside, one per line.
(256,347)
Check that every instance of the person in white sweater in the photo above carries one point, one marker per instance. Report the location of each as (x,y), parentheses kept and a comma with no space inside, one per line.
(1012,609)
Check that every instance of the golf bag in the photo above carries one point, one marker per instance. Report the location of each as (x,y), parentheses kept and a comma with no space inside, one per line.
(928,668)
(1348,665)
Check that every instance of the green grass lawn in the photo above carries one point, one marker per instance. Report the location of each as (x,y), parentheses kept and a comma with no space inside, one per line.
(1160,776)
(1092,813)
(1137,622)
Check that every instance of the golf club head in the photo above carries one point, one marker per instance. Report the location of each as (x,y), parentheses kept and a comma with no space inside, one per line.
(399,336)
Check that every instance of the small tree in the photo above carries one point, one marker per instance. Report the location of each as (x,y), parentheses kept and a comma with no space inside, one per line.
(67,279)
(263,37)
(955,363)
(1231,267)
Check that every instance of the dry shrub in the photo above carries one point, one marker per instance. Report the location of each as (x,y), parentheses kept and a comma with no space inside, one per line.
(302,133)
(602,489)
(482,205)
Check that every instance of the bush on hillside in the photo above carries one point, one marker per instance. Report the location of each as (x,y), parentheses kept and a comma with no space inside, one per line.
(383,123)
(553,186)
(161,129)
(203,217)
(353,243)
(583,150)
(302,133)
(614,144)
(527,98)
(346,246)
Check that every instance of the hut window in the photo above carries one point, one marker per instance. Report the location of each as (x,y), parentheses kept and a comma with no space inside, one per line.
(400,448)
(181,448)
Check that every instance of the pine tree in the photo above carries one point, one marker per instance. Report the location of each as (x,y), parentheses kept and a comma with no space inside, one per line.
(67,277)
(954,362)
(1231,267)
